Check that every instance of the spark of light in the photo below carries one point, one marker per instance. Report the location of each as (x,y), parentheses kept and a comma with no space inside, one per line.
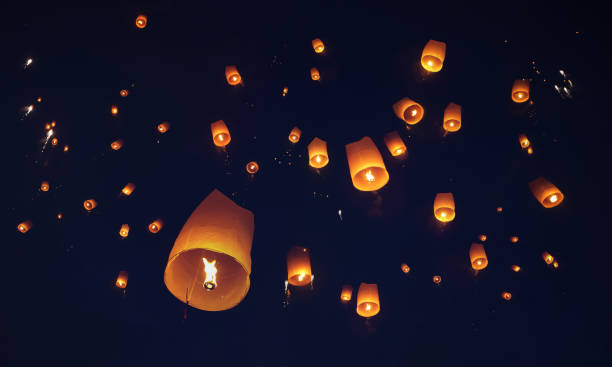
(562,73)
(28,63)
(49,135)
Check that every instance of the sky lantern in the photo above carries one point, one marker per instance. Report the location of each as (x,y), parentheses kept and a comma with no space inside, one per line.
(444,207)
(54,141)
(128,189)
(368,303)
(66,148)
(314,74)
(285,91)
(53,123)
(122,279)
(124,231)
(545,192)
(163,127)
(47,126)
(318,45)
(298,266)
(433,56)
(90,204)
(317,153)
(24,226)
(295,134)
(141,21)
(156,225)
(210,263)
(515,268)
(123,93)
(520,90)
(44,186)
(409,111)
(507,296)
(482,237)
(39,99)
(437,279)
(525,143)
(405,268)
(452,117)
(514,239)
(530,150)
(478,257)
(232,76)
(59,216)
(395,144)
(117,144)
(114,110)
(347,293)
(555,264)
(499,209)
(366,166)
(220,133)
(252,167)
(548,258)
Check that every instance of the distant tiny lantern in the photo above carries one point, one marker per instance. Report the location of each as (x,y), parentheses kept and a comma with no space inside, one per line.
(515,268)
(530,150)
(232,76)
(433,56)
(366,166)
(506,295)
(452,117)
(252,167)
(156,226)
(444,207)
(90,204)
(478,257)
(409,111)
(298,266)
(220,133)
(405,268)
(123,93)
(499,209)
(285,91)
(23,227)
(437,279)
(53,123)
(47,126)
(54,141)
(66,148)
(555,264)
(314,74)
(124,231)
(347,293)
(163,127)
(514,239)
(368,303)
(117,144)
(520,90)
(128,189)
(44,186)
(395,144)
(482,237)
(295,134)
(39,99)
(318,45)
(141,21)
(114,110)
(548,258)
(317,153)
(545,192)
(525,143)
(122,279)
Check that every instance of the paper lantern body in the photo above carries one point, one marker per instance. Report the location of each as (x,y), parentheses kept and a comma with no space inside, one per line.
(252,167)
(478,257)
(395,144)
(452,117)
(548,258)
(433,56)
(298,266)
(482,237)
(520,91)
(314,74)
(156,226)
(409,111)
(124,231)
(318,45)
(232,76)
(444,207)
(122,279)
(405,268)
(516,268)
(437,279)
(347,293)
(220,133)
(295,134)
(117,144)
(507,296)
(114,110)
(123,93)
(368,303)
(128,189)
(545,192)
(317,153)
(366,166)
(163,127)
(54,141)
(90,204)
(525,143)
(44,186)
(141,21)
(220,231)
(25,226)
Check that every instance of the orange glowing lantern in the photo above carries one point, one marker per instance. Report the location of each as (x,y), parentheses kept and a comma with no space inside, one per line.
(506,295)
(368,303)
(515,268)
(452,117)
(514,239)
(295,134)
(128,189)
(478,257)
(232,76)
(122,279)
(444,207)
(252,167)
(123,93)
(409,111)
(548,258)
(47,126)
(405,268)
(141,21)
(23,227)
(525,143)
(318,45)
(433,56)
(220,133)
(314,74)
(530,150)
(59,216)
(66,148)
(114,110)
(54,141)
(437,279)
(395,144)
(298,266)
(52,123)
(500,209)
(285,91)
(44,186)
(482,237)
(555,264)
(156,226)
(210,263)
(163,127)
(347,293)
(39,99)
(117,144)
(366,166)
(545,192)
(317,153)
(90,204)
(124,231)
(520,90)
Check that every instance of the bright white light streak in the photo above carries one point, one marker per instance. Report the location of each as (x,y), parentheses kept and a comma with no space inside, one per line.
(29,109)
(340,213)
(28,63)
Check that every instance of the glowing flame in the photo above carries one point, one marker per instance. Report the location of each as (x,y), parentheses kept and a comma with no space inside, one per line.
(318,159)
(301,277)
(414,112)
(210,274)
(369,176)
(220,137)
(429,63)
(368,307)
(553,199)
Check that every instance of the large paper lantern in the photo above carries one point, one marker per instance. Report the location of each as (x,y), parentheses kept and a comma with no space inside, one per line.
(366,166)
(210,263)
(141,21)
(295,134)
(395,144)
(347,293)
(368,303)
(452,117)
(433,56)
(545,192)
(409,111)
(444,207)
(478,257)
(232,76)
(24,226)
(520,90)
(44,186)
(298,266)
(124,231)
(317,153)
(314,74)
(220,133)
(128,189)
(90,204)
(156,226)
(318,45)
(122,279)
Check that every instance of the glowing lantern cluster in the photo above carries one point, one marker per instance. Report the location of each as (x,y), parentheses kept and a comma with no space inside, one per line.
(318,45)
(317,153)
(123,93)
(347,293)
(90,204)
(232,76)
(452,117)
(44,186)
(525,143)
(314,74)
(298,266)
(366,166)
(545,192)
(548,258)
(409,111)
(220,133)
(444,207)
(25,226)
(141,21)
(117,144)
(368,303)
(437,279)
(156,226)
(433,56)
(520,90)
(128,189)
(478,257)
(507,296)
(252,167)
(210,263)
(122,279)
(124,231)
(395,144)
(114,110)
(405,268)
(163,127)
(295,134)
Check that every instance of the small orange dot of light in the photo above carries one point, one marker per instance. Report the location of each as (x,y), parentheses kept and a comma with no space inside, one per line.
(114,110)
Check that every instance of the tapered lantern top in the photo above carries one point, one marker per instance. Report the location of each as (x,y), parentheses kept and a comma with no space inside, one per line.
(433,56)
(395,144)
(444,207)
(232,76)
(368,171)
(452,117)
(317,153)
(520,91)
(409,111)
(210,263)
(545,192)
(220,133)
(368,303)
(478,257)
(298,266)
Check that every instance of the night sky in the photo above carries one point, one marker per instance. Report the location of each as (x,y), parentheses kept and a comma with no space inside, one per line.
(60,304)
